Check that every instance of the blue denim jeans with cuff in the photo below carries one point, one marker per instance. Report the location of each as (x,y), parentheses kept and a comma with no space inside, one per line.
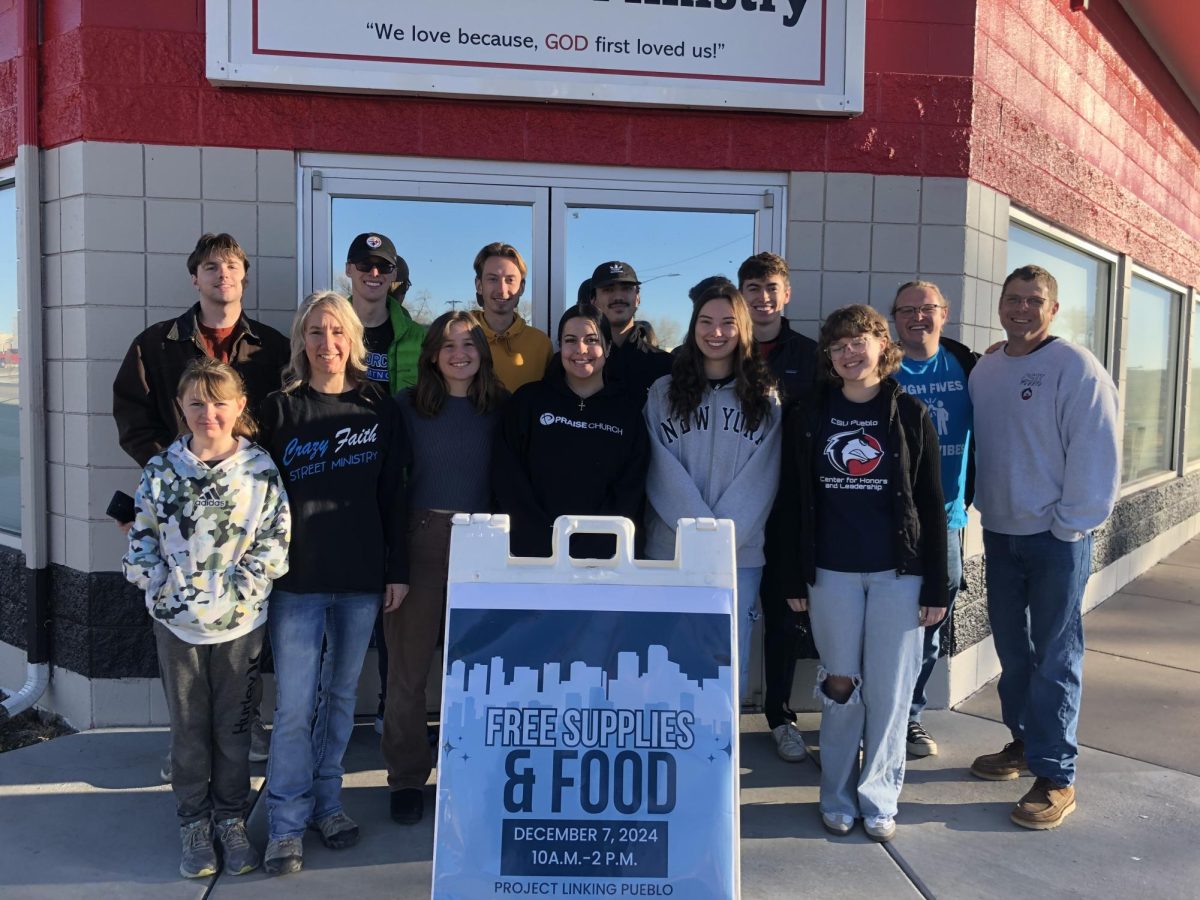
(315,696)
(749,578)
(933,634)
(1035,587)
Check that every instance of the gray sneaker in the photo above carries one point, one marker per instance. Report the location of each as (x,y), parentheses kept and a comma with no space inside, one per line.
(338,830)
(260,740)
(199,859)
(164,771)
(284,856)
(238,853)
(789,743)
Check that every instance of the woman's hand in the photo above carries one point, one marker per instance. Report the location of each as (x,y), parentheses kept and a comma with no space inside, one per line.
(798,604)
(931,615)
(393,596)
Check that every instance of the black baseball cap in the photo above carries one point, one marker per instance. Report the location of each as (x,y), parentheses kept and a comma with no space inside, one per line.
(369,244)
(614,272)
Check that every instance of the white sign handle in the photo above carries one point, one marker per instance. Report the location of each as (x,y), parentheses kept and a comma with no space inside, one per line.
(618,526)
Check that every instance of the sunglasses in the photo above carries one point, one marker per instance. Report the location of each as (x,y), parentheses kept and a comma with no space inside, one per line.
(366,265)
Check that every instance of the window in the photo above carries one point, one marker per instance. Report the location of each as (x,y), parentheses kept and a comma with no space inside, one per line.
(1151,376)
(1192,443)
(674,228)
(10,365)
(1083,273)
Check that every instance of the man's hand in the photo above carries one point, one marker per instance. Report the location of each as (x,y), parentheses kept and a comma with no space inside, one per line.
(931,615)
(124,526)
(797,604)
(393,596)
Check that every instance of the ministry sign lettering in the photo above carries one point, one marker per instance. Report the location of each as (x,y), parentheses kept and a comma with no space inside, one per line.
(785,55)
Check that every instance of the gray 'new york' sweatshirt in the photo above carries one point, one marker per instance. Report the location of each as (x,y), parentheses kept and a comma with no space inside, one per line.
(1047,456)
(712,466)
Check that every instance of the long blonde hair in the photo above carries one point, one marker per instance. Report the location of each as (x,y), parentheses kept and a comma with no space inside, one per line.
(298,371)
(215,380)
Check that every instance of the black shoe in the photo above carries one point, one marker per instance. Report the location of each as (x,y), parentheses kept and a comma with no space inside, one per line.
(408,805)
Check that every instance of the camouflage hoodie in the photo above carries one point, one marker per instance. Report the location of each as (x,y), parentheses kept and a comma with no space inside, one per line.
(208,540)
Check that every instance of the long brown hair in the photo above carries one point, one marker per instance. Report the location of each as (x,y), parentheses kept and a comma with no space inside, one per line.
(215,380)
(429,395)
(753,382)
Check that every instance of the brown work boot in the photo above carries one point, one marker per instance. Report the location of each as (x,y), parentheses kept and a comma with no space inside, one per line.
(1044,806)
(1006,765)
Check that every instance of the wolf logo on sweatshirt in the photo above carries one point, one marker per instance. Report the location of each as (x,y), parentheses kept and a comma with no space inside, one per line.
(854,453)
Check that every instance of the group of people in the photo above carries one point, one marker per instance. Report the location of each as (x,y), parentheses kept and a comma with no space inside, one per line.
(304,490)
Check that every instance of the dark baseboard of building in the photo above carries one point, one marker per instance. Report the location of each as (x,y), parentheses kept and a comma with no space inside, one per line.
(1136,520)
(99,625)
(100,628)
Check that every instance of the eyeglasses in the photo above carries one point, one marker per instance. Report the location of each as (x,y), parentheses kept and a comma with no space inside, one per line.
(383,268)
(907,312)
(858,345)
(1015,302)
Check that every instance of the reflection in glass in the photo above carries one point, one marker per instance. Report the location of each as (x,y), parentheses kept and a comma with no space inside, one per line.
(670,251)
(1083,285)
(1192,445)
(1150,380)
(438,240)
(10,367)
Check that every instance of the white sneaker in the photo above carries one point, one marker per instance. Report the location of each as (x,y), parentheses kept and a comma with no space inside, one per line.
(837,823)
(880,828)
(789,743)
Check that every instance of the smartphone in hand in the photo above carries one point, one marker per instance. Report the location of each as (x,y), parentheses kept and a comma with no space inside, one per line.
(121,508)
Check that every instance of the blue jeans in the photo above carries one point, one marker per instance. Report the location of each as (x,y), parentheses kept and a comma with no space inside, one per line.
(314,701)
(748,580)
(933,634)
(866,627)
(1035,585)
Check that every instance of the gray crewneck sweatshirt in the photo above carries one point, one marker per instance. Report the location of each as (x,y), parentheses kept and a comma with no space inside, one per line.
(710,467)
(1047,456)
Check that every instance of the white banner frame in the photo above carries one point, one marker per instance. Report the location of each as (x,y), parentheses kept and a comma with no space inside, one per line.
(815,66)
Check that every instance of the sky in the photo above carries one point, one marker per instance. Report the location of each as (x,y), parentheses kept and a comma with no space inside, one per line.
(669,250)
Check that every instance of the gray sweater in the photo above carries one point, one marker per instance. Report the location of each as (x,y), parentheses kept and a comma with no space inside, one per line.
(710,467)
(451,455)
(1047,456)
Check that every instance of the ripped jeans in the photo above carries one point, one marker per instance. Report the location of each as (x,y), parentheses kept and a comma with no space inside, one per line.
(866,627)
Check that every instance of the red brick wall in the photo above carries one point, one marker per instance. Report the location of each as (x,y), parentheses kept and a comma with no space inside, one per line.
(133,70)
(1076,118)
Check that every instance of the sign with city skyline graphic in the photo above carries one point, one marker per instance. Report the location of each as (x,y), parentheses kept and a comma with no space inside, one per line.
(589,731)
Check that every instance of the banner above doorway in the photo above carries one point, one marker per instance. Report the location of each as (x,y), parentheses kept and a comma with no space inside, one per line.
(803,56)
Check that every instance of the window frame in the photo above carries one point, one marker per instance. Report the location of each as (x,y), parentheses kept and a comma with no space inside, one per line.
(1175,468)
(1189,406)
(1052,232)
(8,181)
(566,185)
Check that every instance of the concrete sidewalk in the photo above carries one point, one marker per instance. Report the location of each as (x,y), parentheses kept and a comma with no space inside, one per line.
(84,816)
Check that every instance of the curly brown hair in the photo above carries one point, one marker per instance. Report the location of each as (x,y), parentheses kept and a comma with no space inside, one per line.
(853,321)
(753,381)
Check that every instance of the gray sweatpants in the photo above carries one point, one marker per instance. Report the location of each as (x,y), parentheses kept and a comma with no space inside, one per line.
(211,693)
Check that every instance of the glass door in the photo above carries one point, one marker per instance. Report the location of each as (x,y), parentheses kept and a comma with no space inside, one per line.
(672,240)
(438,229)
